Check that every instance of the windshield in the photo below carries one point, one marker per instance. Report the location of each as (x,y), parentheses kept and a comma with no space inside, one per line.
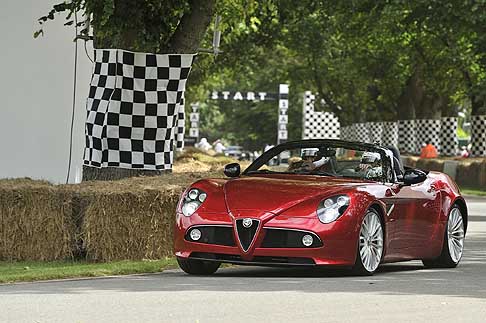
(325,159)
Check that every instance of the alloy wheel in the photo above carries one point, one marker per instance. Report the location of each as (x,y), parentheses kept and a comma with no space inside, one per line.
(455,235)
(371,242)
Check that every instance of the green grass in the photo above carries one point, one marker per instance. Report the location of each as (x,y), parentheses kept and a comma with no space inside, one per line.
(473,191)
(32,271)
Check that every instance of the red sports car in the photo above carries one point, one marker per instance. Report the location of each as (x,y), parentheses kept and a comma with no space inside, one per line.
(321,203)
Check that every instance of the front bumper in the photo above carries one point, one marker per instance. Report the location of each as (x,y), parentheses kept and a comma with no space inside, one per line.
(338,248)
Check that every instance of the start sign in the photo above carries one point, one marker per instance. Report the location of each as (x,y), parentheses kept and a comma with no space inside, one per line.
(240,96)
(283,104)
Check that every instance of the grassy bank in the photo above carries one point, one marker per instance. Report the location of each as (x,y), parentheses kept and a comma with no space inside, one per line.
(473,191)
(22,271)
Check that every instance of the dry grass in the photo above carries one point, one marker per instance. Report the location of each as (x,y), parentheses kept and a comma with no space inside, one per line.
(98,220)
(472,174)
(194,160)
(35,221)
(134,218)
(128,222)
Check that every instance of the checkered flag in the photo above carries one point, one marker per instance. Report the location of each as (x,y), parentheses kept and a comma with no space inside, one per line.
(389,136)
(361,132)
(181,125)
(427,129)
(449,143)
(406,136)
(478,136)
(133,109)
(317,124)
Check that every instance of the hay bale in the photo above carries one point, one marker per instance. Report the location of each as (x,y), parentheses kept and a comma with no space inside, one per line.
(193,159)
(410,161)
(472,174)
(436,165)
(97,220)
(129,219)
(35,221)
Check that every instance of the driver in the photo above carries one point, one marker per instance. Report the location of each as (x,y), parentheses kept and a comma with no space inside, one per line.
(370,165)
(312,159)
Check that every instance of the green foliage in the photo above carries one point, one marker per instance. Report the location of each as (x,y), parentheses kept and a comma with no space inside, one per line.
(134,25)
(358,56)
(355,55)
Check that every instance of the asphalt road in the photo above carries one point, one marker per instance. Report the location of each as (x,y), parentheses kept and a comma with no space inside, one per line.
(404,292)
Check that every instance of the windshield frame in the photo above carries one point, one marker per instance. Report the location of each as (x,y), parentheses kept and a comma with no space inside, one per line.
(317,143)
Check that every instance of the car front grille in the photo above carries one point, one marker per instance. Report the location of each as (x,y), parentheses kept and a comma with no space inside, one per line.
(257,260)
(273,237)
(214,234)
(288,238)
(246,235)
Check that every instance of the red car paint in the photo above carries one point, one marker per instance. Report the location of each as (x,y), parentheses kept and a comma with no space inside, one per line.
(414,228)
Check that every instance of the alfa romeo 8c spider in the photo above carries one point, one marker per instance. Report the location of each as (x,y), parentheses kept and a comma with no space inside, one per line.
(321,203)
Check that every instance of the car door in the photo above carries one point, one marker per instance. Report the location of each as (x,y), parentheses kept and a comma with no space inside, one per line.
(429,208)
(412,212)
(401,210)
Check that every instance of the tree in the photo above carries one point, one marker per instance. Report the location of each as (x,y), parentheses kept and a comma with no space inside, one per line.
(153,26)
(366,60)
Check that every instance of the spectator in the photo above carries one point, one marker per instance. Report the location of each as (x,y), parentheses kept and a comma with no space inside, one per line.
(429,151)
(204,144)
(219,147)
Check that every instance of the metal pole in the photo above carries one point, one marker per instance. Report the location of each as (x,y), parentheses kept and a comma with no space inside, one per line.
(283,119)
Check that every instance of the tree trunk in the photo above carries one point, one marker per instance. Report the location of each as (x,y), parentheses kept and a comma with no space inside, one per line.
(430,107)
(411,97)
(478,106)
(380,113)
(185,40)
(319,82)
(192,27)
(448,109)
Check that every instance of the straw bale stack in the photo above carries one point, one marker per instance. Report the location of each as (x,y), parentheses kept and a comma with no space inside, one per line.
(35,221)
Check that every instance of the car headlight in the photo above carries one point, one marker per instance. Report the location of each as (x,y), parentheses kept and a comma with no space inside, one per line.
(192,200)
(332,208)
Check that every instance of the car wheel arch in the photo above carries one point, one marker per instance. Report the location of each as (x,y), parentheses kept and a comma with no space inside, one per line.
(461,204)
(381,213)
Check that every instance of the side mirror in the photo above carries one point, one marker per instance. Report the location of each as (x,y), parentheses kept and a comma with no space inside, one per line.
(414,176)
(232,170)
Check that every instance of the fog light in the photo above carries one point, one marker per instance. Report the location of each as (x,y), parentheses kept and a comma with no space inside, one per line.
(307,240)
(195,234)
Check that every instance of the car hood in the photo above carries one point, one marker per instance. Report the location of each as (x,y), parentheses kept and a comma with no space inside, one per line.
(272,194)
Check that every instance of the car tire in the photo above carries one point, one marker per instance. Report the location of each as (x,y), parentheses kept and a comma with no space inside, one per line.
(198,267)
(370,244)
(453,245)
